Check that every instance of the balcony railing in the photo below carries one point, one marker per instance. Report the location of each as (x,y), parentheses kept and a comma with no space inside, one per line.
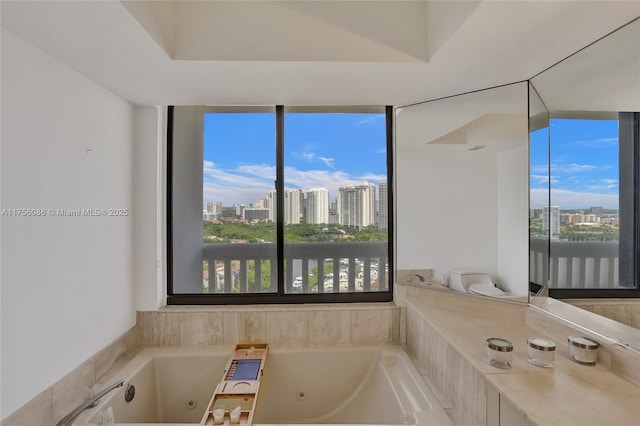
(588,264)
(238,268)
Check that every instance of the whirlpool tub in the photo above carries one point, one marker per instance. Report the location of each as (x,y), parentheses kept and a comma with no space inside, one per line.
(344,385)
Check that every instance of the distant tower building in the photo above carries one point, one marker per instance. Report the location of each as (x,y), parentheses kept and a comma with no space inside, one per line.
(238,209)
(302,204)
(356,205)
(333,212)
(317,206)
(598,211)
(551,220)
(272,206)
(212,211)
(263,203)
(577,218)
(383,206)
(253,214)
(291,206)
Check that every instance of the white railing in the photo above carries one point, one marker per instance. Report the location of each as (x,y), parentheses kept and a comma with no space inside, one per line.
(355,266)
(584,264)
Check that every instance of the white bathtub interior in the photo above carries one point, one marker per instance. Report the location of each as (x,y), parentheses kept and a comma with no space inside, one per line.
(171,386)
(344,385)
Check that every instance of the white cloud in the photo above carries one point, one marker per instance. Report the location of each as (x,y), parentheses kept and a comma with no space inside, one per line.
(369,119)
(572,168)
(539,169)
(308,156)
(538,180)
(597,143)
(245,184)
(372,178)
(567,199)
(248,183)
(327,161)
(604,186)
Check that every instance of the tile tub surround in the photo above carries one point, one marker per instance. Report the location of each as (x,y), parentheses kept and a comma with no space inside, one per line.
(56,401)
(202,326)
(446,335)
(286,325)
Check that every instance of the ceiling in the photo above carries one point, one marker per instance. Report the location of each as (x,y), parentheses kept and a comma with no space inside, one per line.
(603,77)
(309,52)
(491,120)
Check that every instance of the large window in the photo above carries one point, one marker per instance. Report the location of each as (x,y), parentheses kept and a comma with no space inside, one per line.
(279,204)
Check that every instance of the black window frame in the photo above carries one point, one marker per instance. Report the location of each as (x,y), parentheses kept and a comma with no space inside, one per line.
(279,297)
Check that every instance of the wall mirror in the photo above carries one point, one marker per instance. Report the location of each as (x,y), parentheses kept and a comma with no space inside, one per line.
(462,185)
(584,202)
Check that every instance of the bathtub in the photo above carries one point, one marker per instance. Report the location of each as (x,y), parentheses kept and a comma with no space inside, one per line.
(342,385)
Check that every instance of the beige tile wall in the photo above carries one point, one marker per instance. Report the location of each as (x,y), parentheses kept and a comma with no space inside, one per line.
(286,325)
(460,386)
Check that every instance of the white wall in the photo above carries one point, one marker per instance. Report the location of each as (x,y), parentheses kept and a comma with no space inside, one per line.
(460,207)
(446,210)
(148,208)
(513,218)
(66,281)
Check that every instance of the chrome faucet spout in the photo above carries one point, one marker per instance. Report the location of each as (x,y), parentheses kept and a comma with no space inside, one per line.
(87,403)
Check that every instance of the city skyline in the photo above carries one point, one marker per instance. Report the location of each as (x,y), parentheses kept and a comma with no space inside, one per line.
(321,151)
(356,205)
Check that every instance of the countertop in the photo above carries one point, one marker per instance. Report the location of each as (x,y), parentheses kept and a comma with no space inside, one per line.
(568,394)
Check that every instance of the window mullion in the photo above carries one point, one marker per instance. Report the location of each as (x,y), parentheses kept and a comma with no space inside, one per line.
(628,199)
(280,197)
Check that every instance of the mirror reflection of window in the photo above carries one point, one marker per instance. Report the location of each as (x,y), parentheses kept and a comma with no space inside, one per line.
(588,181)
(538,201)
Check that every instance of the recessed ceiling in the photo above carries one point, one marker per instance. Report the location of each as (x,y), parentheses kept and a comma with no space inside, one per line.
(308,52)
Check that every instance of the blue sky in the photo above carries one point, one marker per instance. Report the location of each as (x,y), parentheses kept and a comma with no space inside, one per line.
(582,174)
(321,150)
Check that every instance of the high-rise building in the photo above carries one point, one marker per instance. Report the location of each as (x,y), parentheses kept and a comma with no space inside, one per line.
(272,205)
(253,214)
(212,211)
(356,205)
(263,203)
(333,212)
(239,209)
(317,206)
(598,211)
(551,220)
(291,206)
(383,206)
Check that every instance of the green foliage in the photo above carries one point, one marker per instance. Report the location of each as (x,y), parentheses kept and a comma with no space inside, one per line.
(370,234)
(588,233)
(265,275)
(576,232)
(298,233)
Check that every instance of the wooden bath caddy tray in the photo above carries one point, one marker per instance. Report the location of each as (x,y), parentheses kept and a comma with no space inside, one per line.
(239,387)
